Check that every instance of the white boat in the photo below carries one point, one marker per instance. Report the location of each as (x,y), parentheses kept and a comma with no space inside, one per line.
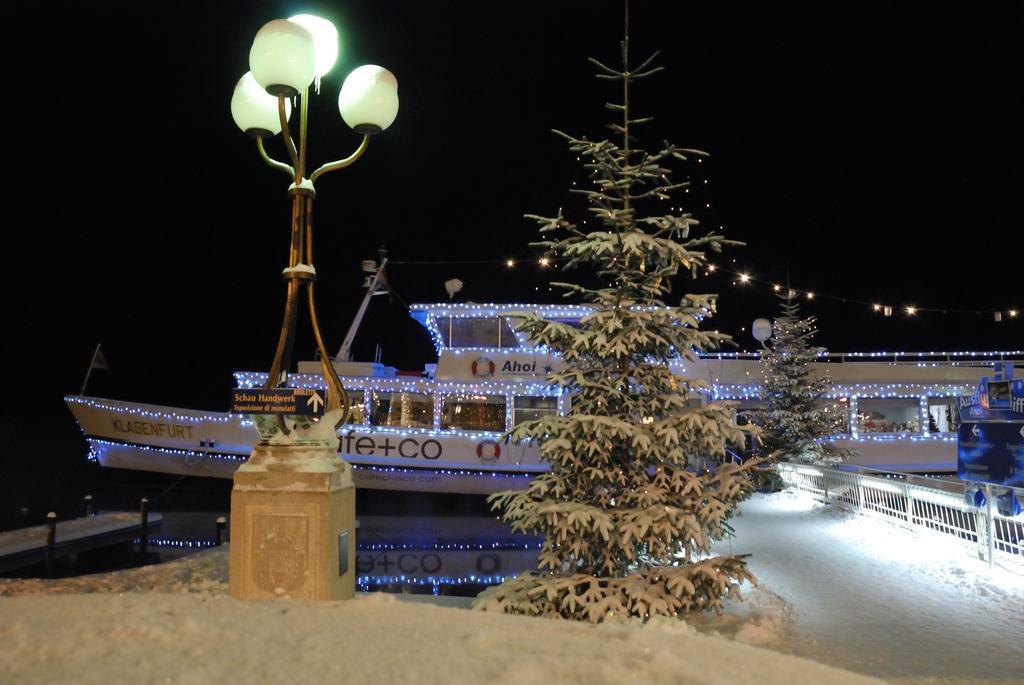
(440,430)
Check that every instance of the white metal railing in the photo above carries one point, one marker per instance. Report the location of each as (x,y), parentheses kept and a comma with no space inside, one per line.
(932,504)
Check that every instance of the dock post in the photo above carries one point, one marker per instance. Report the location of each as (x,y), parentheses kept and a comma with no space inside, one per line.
(221,522)
(144,533)
(51,541)
(88,505)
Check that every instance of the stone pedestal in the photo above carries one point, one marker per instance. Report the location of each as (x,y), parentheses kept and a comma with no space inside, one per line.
(293,524)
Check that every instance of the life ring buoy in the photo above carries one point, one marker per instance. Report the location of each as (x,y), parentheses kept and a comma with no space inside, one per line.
(488,451)
(482,367)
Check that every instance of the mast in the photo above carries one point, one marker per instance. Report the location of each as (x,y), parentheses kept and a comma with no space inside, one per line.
(375,285)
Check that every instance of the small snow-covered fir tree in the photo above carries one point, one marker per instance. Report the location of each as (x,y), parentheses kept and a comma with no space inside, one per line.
(628,516)
(796,417)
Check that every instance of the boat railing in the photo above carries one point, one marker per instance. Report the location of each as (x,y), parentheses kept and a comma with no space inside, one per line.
(908,358)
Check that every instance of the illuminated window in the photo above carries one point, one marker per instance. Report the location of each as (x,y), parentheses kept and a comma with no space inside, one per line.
(533,408)
(406,409)
(943,414)
(493,331)
(895,415)
(473,412)
(356,413)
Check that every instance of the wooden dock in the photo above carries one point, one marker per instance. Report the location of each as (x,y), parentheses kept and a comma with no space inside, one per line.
(28,546)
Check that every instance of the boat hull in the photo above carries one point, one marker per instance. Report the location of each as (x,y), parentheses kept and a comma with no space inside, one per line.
(917,454)
(172,440)
(190,442)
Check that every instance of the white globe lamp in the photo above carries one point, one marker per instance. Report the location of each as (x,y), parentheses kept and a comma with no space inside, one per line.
(762,330)
(369,99)
(325,42)
(255,110)
(283,58)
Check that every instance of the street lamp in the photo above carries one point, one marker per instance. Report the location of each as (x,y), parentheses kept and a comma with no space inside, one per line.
(293,500)
(287,57)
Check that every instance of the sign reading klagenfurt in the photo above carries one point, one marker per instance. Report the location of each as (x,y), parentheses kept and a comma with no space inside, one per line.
(296,401)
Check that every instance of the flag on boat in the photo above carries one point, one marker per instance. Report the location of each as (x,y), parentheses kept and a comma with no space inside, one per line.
(99,361)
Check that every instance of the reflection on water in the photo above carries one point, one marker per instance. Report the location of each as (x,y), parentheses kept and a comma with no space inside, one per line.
(406,542)
(455,555)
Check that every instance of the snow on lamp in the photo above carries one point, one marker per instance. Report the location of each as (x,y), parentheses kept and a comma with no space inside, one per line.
(369,99)
(283,58)
(254,109)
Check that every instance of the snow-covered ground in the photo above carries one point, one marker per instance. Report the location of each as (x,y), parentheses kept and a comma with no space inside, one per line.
(175,624)
(866,595)
(835,587)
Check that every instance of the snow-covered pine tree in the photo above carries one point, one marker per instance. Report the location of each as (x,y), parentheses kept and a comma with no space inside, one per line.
(628,515)
(795,419)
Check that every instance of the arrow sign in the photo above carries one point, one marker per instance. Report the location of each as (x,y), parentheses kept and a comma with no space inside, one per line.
(1022,431)
(974,430)
(301,401)
(315,402)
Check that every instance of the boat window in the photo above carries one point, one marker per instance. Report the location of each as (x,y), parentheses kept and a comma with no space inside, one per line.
(943,414)
(356,410)
(533,408)
(836,416)
(407,409)
(492,331)
(473,412)
(896,415)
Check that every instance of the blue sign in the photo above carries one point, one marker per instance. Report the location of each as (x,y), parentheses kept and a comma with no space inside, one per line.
(990,440)
(991,452)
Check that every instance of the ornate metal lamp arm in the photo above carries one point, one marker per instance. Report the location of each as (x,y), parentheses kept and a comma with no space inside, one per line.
(273,163)
(341,163)
(286,134)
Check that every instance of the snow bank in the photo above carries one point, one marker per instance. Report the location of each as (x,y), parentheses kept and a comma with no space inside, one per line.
(212,638)
(834,587)
(127,627)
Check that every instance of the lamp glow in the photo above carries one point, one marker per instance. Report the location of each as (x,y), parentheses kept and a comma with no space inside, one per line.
(368,100)
(254,110)
(282,57)
(325,41)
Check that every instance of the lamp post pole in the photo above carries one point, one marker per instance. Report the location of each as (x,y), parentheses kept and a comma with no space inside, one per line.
(286,57)
(301,272)
(293,501)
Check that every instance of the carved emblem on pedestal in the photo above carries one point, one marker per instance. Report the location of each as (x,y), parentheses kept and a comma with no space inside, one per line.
(281,550)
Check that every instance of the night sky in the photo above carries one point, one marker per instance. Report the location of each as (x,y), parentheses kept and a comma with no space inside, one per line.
(869,150)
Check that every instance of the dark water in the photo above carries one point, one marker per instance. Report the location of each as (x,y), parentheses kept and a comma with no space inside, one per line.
(406,542)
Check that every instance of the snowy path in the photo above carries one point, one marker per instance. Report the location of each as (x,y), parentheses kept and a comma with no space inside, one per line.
(876,599)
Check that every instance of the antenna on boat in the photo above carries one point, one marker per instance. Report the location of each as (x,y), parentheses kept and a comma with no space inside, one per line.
(376,283)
